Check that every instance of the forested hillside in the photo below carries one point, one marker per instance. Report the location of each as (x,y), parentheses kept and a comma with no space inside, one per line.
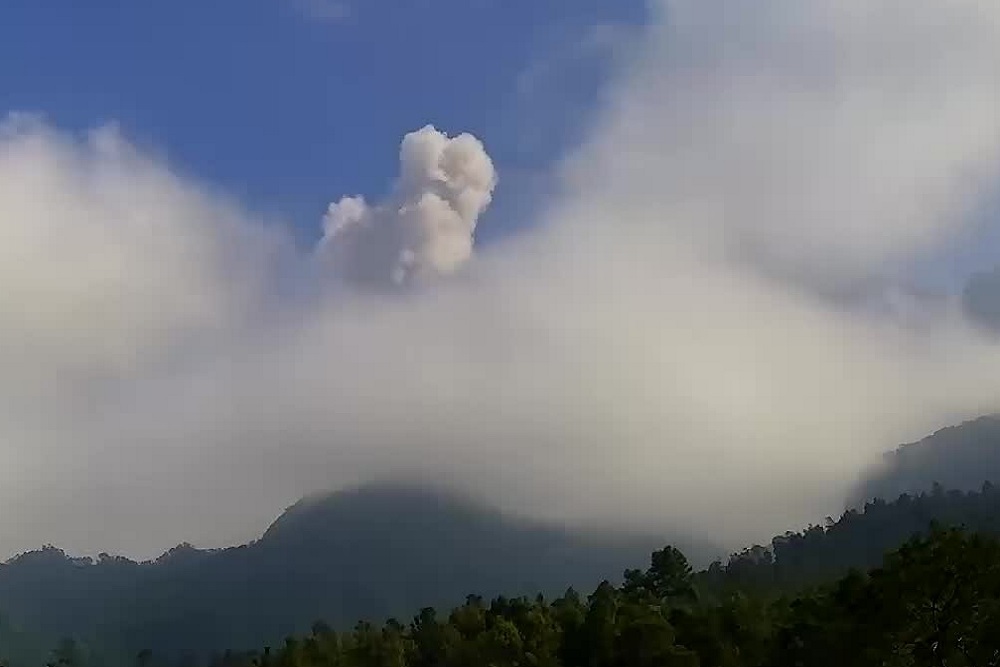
(759,608)
(935,601)
(858,539)
(959,457)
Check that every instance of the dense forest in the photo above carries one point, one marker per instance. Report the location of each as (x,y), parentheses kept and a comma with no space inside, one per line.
(934,601)
(858,539)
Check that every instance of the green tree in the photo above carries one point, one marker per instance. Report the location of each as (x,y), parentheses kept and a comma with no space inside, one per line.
(667,580)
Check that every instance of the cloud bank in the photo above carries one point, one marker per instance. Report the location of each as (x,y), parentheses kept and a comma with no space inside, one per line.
(706,332)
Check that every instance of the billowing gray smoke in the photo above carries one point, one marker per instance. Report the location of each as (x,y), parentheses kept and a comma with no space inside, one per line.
(426,227)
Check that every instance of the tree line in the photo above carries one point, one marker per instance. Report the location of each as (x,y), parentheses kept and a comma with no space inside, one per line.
(935,601)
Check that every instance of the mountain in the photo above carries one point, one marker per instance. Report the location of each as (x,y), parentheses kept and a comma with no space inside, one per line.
(367,553)
(958,457)
(389,550)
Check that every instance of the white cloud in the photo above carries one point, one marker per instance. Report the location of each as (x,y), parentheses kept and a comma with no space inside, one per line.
(835,140)
(108,261)
(598,42)
(656,353)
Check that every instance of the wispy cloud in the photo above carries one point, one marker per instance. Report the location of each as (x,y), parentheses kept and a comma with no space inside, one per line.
(602,41)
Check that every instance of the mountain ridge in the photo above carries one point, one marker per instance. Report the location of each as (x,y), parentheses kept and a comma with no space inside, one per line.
(379,550)
(372,552)
(959,457)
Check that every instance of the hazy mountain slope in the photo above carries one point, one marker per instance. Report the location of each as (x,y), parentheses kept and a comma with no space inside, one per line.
(958,457)
(20,648)
(858,539)
(380,551)
(367,553)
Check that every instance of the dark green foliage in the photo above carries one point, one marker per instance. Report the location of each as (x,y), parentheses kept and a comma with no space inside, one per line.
(935,602)
(668,578)
(857,540)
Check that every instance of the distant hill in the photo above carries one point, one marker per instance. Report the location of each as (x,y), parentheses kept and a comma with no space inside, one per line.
(858,539)
(379,551)
(368,553)
(958,457)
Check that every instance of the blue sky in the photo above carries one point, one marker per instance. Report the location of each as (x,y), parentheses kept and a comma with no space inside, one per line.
(287,104)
